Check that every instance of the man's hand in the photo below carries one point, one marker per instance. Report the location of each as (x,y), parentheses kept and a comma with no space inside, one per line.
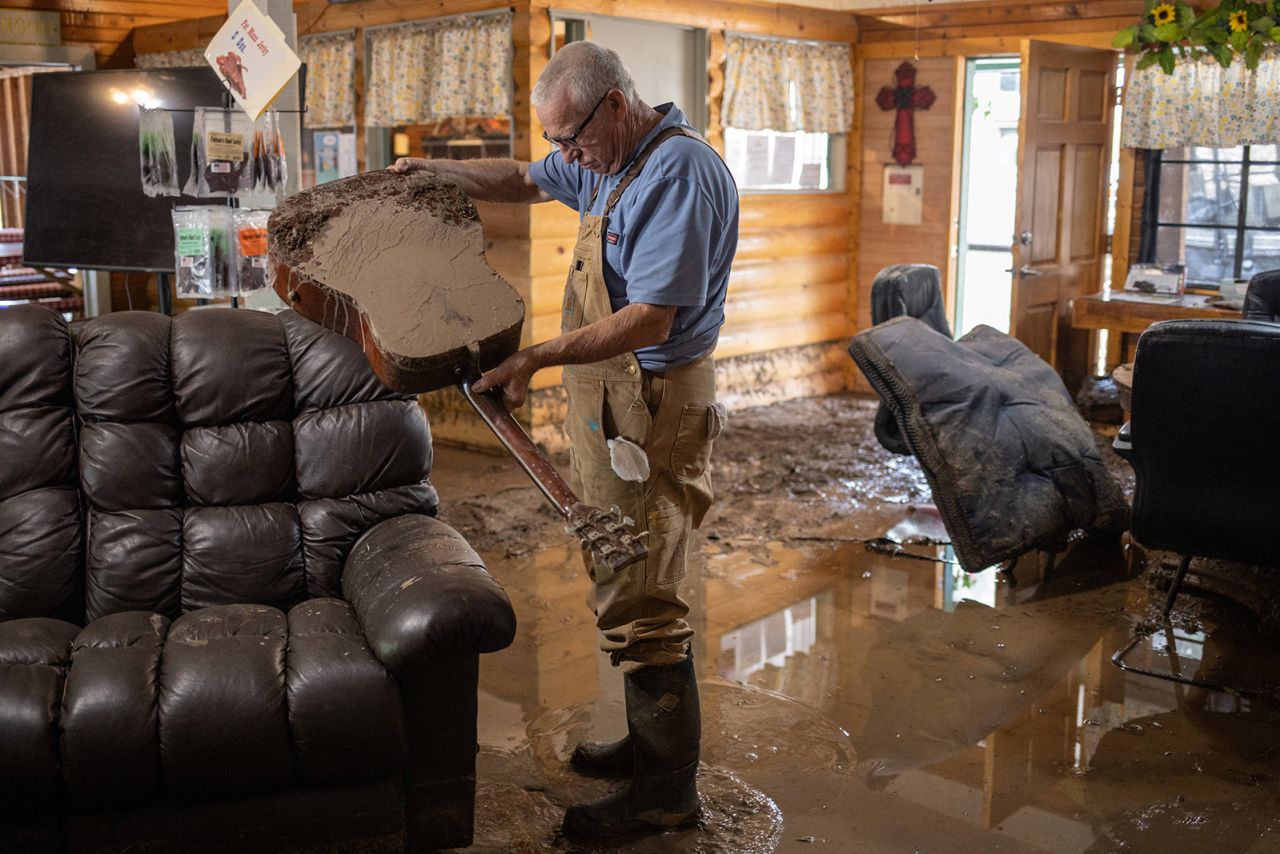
(405,165)
(512,376)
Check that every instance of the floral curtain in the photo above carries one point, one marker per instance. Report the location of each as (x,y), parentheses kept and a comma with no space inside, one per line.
(171,59)
(1202,103)
(424,72)
(331,79)
(787,86)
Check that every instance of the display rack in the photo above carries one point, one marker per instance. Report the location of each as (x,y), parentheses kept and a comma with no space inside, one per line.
(164,295)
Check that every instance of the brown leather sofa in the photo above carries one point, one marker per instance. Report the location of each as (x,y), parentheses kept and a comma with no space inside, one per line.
(228,620)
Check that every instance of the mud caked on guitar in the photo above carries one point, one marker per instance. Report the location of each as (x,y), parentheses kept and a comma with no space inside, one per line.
(396,263)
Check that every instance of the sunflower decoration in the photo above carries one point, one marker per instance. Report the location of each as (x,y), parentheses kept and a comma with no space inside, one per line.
(1163,14)
(1239,21)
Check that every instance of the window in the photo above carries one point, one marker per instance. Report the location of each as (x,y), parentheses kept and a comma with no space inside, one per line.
(1216,210)
(787,108)
(773,160)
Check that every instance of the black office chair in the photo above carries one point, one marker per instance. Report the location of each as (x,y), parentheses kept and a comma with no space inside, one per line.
(1202,443)
(914,290)
(1262,299)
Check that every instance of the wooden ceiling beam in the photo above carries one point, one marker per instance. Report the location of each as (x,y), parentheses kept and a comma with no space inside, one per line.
(904,21)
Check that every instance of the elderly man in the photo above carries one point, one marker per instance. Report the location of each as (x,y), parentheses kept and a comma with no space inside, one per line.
(642,311)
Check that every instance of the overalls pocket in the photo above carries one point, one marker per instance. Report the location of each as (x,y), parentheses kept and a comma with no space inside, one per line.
(699,426)
(585,422)
(575,290)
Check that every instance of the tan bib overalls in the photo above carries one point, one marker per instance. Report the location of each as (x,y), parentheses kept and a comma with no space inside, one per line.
(673,416)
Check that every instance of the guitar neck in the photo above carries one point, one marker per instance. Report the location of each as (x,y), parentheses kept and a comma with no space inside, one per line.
(513,437)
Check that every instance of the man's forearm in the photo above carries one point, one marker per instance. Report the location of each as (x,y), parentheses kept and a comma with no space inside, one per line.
(630,328)
(490,179)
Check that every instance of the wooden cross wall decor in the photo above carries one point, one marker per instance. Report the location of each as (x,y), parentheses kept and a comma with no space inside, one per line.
(906,98)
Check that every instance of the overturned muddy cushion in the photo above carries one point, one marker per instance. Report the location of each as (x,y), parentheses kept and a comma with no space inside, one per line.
(397,263)
(1012,464)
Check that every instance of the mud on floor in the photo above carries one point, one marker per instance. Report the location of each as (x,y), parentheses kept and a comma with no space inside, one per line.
(806,470)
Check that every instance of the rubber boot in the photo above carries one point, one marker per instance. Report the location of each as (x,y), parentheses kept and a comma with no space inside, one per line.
(664,726)
(603,759)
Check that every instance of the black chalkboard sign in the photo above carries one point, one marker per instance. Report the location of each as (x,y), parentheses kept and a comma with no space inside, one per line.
(85,205)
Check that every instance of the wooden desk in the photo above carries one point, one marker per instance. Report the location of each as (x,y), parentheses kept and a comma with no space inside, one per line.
(1129,314)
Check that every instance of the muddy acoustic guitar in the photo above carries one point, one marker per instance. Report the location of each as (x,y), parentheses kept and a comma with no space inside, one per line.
(396,263)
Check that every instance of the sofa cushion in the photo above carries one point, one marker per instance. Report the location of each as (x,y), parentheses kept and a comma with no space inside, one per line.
(110,717)
(228,701)
(258,448)
(34,655)
(40,529)
(224,728)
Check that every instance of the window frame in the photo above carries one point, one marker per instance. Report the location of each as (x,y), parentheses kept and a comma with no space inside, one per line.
(1152,224)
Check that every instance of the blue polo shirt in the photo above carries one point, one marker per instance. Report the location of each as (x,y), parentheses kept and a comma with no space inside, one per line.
(670,238)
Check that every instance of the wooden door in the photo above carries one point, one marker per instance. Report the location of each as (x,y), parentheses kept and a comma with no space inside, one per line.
(1064,144)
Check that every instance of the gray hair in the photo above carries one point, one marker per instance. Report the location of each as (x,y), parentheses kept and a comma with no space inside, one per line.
(582,72)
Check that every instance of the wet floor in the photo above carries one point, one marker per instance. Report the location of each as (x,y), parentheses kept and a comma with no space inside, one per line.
(856,700)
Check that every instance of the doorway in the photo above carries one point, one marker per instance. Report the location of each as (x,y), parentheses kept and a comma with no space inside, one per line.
(988,193)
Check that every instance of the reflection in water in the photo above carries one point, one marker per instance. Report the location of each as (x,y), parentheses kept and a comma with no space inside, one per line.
(882,705)
(769,640)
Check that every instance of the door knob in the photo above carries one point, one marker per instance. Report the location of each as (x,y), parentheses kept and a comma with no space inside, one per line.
(1026,271)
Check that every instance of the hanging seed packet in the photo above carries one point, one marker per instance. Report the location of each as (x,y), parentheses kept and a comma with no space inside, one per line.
(157,153)
(222,139)
(202,243)
(251,247)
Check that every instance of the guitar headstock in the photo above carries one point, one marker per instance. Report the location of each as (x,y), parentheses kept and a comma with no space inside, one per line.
(607,535)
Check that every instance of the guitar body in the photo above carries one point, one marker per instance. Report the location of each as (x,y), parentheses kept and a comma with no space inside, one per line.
(396,263)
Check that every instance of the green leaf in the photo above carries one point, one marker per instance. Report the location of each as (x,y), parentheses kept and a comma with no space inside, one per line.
(1253,53)
(1166,59)
(1215,37)
(1275,34)
(1169,32)
(1263,25)
(1223,54)
(1147,33)
(1125,37)
(1148,59)
(1239,40)
(1186,16)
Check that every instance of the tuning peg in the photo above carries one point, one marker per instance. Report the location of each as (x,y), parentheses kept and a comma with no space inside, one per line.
(606,549)
(628,521)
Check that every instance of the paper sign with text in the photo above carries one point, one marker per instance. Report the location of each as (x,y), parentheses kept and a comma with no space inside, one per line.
(252,58)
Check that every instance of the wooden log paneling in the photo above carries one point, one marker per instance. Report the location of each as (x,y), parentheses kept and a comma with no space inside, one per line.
(766,211)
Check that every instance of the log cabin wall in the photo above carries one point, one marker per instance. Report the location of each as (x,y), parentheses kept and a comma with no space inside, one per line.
(801,281)
(938,40)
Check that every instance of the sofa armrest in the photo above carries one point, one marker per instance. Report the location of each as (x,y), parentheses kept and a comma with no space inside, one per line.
(419,590)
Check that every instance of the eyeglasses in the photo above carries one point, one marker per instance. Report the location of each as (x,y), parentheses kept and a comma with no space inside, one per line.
(572,139)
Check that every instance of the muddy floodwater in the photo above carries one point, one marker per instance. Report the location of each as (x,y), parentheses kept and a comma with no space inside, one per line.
(862,693)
